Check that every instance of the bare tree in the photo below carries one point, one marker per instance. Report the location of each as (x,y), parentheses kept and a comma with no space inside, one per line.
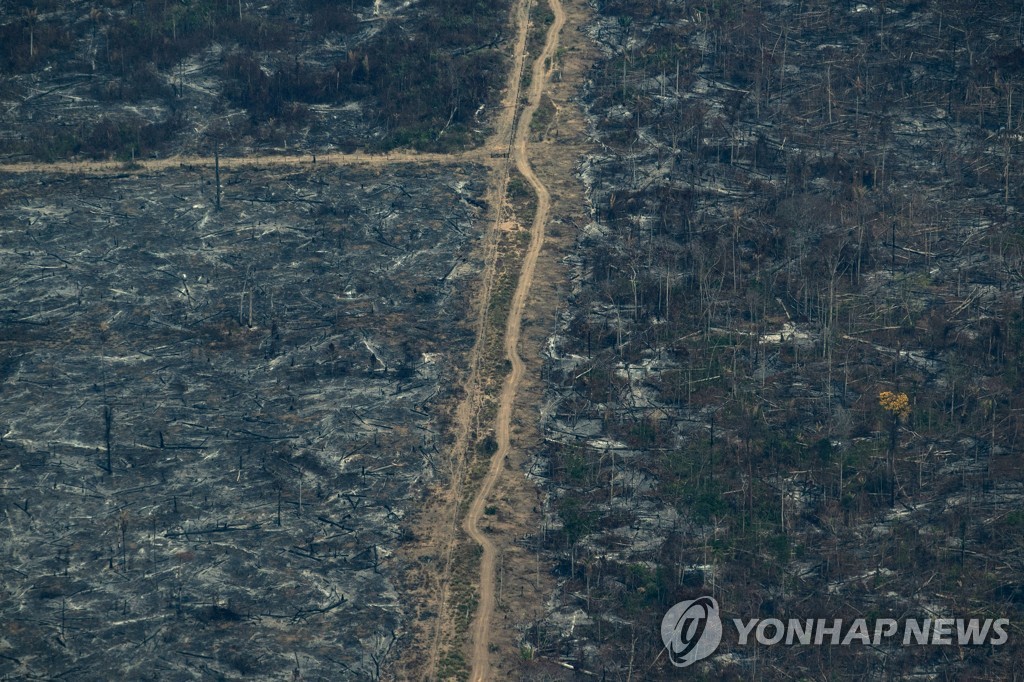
(108,423)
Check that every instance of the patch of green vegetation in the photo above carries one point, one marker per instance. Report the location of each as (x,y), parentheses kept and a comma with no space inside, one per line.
(518,188)
(577,518)
(543,117)
(452,666)
(488,445)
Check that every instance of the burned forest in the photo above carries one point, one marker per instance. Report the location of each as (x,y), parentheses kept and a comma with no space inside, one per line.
(798,211)
(422,340)
(215,422)
(154,78)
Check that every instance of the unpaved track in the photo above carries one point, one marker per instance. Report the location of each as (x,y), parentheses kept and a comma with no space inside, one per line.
(229,162)
(481,630)
(444,534)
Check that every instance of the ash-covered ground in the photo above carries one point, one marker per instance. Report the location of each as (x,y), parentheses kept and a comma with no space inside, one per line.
(213,423)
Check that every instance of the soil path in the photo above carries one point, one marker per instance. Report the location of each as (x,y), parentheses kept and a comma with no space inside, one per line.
(255,161)
(480,633)
(442,532)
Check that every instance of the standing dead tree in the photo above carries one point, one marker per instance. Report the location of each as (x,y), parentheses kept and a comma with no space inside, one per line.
(108,423)
(216,171)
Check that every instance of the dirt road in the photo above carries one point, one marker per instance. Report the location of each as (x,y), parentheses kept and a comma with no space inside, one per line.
(442,533)
(256,161)
(480,633)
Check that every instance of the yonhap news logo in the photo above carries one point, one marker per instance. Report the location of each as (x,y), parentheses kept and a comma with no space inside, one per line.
(692,631)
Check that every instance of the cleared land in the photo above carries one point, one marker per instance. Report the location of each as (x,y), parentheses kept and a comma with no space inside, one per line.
(215,423)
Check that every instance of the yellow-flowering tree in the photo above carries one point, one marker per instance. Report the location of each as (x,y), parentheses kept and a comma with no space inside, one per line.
(897,406)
